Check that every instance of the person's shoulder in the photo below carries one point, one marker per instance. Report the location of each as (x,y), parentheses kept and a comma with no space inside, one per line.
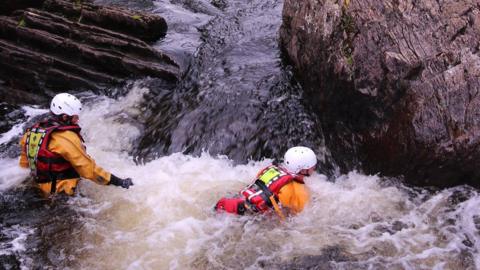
(66,134)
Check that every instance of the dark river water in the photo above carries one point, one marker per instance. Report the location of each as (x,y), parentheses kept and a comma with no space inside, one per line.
(236,108)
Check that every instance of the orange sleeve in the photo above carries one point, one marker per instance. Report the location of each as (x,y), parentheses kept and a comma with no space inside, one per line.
(23,162)
(69,145)
(294,196)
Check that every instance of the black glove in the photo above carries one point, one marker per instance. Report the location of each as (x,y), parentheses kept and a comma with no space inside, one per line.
(124,183)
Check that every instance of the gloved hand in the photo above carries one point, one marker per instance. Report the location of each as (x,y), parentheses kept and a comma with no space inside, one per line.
(231,205)
(124,183)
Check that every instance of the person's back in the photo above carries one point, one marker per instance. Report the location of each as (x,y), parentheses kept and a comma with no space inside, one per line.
(294,196)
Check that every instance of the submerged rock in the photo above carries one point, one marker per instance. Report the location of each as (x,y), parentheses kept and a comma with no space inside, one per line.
(9,262)
(395,83)
(328,259)
(75,45)
(38,233)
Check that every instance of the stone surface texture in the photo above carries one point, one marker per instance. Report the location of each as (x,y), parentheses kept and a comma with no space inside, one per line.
(395,82)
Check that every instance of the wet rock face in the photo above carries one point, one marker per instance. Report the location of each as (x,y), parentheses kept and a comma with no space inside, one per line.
(395,82)
(76,45)
(144,26)
(140,5)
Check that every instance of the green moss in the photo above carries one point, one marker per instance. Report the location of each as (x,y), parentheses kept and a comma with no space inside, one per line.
(350,60)
(347,52)
(137,17)
(22,23)
(347,24)
(78,4)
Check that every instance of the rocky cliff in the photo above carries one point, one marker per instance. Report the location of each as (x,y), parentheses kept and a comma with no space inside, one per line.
(395,82)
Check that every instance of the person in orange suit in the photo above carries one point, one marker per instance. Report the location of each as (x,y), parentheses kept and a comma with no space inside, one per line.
(53,150)
(279,188)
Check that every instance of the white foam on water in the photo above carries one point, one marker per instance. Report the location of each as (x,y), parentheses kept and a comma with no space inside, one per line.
(17,244)
(166,221)
(11,174)
(468,216)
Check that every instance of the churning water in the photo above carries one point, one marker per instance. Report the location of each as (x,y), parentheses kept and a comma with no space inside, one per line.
(165,221)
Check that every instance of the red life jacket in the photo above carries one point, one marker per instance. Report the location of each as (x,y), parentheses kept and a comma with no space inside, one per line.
(45,165)
(269,182)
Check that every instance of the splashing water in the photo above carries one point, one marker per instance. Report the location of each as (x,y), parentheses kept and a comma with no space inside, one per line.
(166,220)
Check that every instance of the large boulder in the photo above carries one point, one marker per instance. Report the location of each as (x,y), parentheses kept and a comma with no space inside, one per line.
(396,83)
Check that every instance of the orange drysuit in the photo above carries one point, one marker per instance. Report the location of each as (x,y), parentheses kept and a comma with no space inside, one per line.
(294,196)
(69,145)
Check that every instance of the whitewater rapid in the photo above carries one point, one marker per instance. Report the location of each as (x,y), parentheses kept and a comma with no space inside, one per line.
(165,221)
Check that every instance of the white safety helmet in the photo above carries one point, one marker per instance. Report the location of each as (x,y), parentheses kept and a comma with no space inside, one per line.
(298,158)
(65,103)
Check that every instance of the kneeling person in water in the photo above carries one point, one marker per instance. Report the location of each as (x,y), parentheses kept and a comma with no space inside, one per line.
(53,150)
(276,187)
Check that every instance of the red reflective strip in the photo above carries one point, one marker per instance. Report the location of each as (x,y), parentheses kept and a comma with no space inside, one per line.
(279,183)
